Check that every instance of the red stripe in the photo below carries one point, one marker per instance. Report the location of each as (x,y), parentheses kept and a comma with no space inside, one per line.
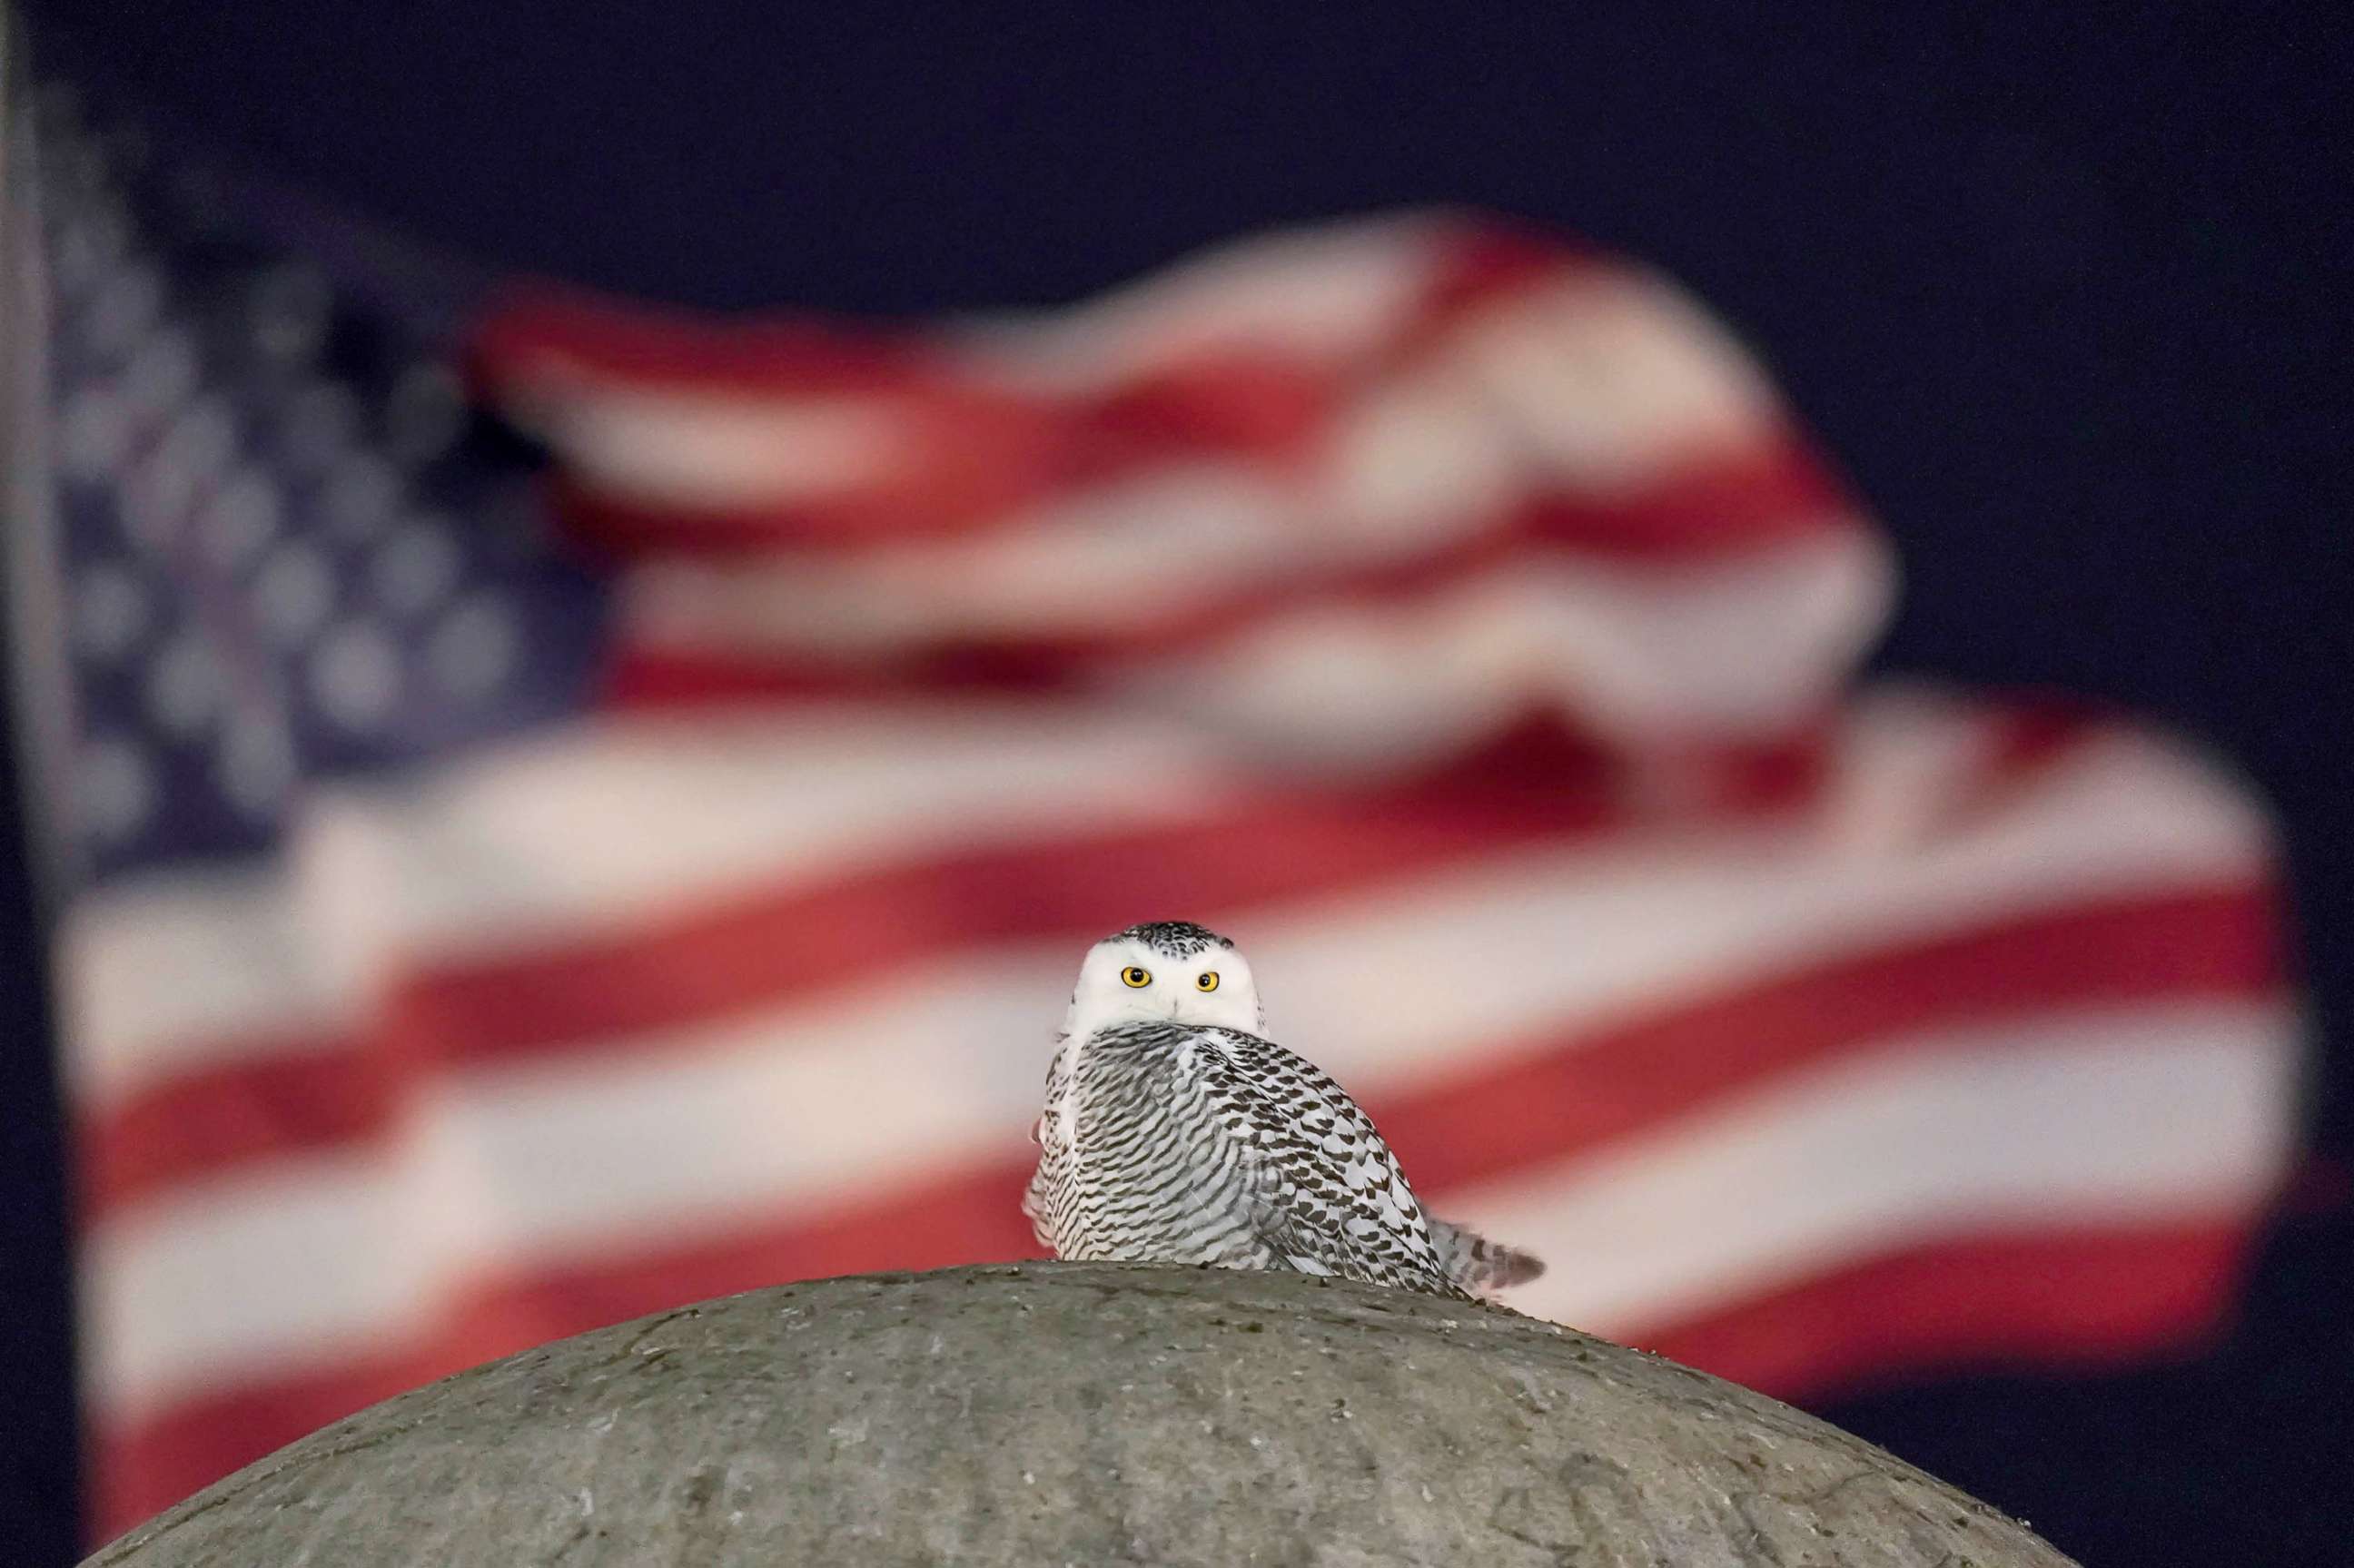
(803,940)
(1492,263)
(2033,729)
(1581,1094)
(961,461)
(546,334)
(1708,508)
(2074,1298)
(541,341)
(2082,1295)
(1550,1097)
(957,461)
(962,452)
(324,1093)
(549,335)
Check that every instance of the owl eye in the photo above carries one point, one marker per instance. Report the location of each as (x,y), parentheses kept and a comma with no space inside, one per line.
(1135,979)
(1206,980)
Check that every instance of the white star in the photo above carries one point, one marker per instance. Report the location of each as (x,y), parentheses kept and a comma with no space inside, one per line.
(356,676)
(115,792)
(110,613)
(294,593)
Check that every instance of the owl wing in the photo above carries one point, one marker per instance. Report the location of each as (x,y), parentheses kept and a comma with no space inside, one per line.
(1326,1193)
(1034,1191)
(1038,1194)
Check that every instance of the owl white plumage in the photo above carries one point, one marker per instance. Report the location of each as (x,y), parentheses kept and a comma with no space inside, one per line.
(1175,1132)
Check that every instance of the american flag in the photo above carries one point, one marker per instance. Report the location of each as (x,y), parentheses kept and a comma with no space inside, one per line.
(603,809)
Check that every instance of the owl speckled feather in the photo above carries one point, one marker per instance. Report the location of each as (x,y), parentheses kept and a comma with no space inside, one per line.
(1175,1132)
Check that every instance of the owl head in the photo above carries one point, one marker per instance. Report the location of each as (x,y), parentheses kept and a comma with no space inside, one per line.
(1166,970)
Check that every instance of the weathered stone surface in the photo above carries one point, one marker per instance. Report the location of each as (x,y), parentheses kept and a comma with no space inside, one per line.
(1053,1413)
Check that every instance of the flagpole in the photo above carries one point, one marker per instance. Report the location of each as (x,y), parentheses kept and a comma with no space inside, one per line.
(32,610)
(46,1513)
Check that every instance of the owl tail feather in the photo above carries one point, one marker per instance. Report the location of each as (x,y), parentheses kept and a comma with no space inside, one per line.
(1478,1264)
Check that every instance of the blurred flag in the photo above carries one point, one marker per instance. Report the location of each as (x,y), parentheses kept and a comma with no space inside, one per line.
(476,932)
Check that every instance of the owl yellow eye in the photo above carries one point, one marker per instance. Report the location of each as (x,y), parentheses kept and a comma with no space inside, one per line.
(1135,979)
(1206,980)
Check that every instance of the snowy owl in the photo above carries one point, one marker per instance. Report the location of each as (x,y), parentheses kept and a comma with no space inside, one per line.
(1174,1133)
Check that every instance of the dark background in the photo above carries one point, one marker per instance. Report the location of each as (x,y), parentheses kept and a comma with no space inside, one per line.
(2064,292)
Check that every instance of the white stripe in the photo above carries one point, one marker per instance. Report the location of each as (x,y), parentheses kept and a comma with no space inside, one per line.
(1147,546)
(2109,1117)
(1319,295)
(1614,377)
(2135,1112)
(1600,383)
(1726,653)
(657,447)
(1726,649)
(605,831)
(156,978)
(1175,540)
(587,830)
